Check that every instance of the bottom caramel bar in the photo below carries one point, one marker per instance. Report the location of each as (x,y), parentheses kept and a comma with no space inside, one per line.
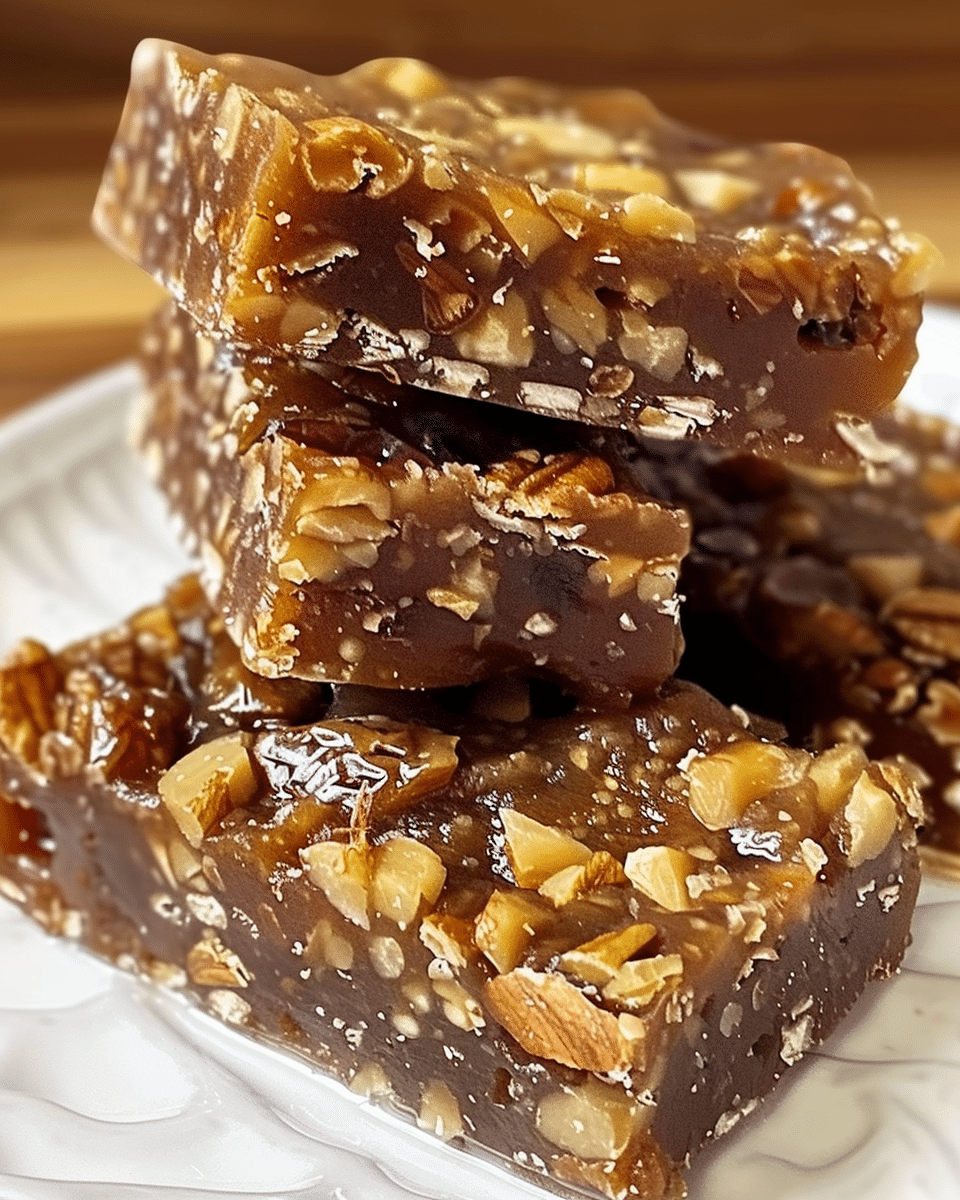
(588,944)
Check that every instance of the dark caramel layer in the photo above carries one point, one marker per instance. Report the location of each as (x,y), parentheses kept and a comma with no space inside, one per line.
(834,605)
(407,541)
(572,253)
(586,944)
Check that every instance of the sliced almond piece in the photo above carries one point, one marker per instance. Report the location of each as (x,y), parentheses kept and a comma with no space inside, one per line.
(551,1018)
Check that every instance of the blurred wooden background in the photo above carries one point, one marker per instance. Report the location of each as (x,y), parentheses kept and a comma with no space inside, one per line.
(873,80)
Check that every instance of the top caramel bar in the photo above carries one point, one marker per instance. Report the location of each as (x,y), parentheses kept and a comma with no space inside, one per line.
(570,252)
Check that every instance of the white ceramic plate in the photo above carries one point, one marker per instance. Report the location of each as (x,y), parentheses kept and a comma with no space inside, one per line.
(112,1090)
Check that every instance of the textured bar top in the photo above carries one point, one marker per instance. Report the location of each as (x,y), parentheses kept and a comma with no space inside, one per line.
(588,943)
(569,252)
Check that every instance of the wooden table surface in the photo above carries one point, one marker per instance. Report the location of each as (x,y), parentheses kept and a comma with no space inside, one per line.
(69,306)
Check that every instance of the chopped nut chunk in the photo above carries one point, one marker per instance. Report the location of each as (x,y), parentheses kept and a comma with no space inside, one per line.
(660,872)
(405,875)
(870,814)
(552,1019)
(538,851)
(208,783)
(593,1121)
(507,925)
(725,783)
(342,873)
(636,983)
(598,960)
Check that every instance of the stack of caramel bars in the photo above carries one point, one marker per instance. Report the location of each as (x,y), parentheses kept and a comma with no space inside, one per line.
(465,394)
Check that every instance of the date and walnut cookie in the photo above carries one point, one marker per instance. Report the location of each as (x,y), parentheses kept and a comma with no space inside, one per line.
(585,943)
(569,252)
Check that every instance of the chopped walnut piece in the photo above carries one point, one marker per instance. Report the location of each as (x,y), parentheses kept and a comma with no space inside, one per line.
(337,522)
(341,154)
(928,618)
(208,783)
(551,488)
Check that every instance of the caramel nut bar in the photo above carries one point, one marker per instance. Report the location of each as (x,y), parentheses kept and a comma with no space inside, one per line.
(347,539)
(585,944)
(570,252)
(837,601)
